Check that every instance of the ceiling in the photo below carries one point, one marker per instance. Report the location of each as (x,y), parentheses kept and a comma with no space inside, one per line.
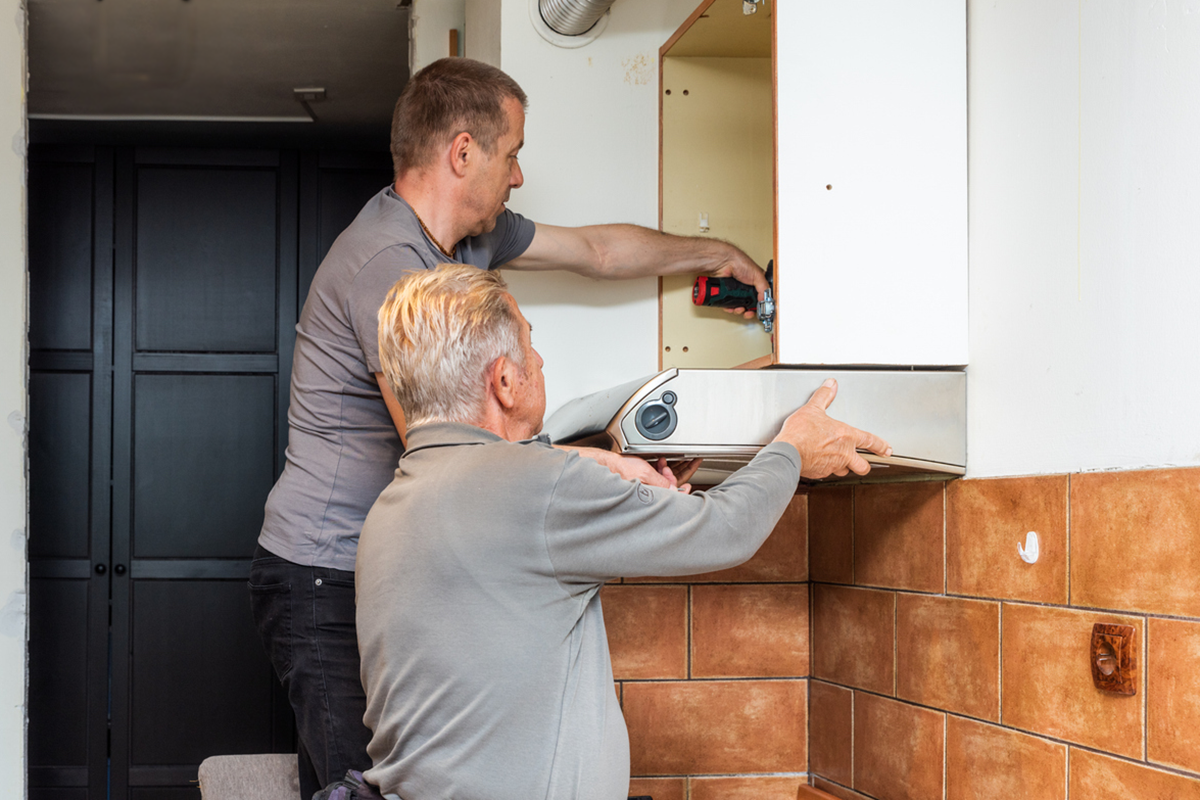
(217,60)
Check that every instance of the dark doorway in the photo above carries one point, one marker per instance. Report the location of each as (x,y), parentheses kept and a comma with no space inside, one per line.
(165,284)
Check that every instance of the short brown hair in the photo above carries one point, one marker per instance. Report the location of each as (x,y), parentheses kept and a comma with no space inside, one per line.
(440,331)
(446,98)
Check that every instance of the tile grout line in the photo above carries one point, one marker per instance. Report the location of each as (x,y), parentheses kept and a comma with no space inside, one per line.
(690,648)
(1067,756)
(1152,765)
(853,738)
(1070,514)
(945,558)
(1145,675)
(1000,666)
(853,514)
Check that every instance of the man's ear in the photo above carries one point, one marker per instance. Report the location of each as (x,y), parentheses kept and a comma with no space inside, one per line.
(503,379)
(462,150)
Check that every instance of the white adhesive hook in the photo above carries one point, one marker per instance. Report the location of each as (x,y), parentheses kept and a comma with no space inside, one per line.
(1030,552)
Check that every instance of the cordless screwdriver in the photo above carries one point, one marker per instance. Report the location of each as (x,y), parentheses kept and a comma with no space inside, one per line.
(732,293)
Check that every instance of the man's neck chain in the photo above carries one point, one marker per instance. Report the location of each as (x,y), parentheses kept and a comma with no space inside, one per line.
(447,253)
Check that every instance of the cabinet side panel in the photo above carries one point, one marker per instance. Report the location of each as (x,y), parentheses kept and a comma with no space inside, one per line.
(716,168)
(872,182)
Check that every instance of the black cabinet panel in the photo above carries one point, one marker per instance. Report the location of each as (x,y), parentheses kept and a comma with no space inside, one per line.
(60,406)
(157,793)
(164,291)
(206,264)
(343,194)
(60,256)
(60,794)
(204,462)
(201,684)
(58,668)
(336,189)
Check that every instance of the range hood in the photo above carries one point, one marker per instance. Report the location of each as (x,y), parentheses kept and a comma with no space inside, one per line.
(727,415)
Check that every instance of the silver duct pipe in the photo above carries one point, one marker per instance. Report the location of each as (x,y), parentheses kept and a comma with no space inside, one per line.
(572,17)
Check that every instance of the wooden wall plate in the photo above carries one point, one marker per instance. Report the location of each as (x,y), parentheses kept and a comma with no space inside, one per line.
(1114,658)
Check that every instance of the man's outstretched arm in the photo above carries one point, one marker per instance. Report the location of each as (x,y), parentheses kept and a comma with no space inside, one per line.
(630,251)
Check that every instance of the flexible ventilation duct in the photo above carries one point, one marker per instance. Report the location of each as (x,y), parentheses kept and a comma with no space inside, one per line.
(572,17)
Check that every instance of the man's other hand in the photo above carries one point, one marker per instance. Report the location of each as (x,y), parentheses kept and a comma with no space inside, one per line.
(632,468)
(828,447)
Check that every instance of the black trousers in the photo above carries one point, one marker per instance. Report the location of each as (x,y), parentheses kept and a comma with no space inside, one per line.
(305,616)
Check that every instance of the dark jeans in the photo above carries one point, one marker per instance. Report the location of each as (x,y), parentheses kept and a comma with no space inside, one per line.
(305,616)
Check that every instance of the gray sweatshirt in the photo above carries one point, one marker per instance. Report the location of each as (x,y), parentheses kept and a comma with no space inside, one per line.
(484,655)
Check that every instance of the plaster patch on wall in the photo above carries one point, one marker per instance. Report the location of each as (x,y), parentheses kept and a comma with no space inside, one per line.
(638,70)
(17,422)
(18,540)
(12,617)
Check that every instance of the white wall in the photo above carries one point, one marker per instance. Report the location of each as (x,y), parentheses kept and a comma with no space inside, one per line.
(591,156)
(430,22)
(13,314)
(483,24)
(1084,235)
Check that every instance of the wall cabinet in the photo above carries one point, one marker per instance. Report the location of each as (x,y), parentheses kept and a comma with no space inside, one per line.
(858,190)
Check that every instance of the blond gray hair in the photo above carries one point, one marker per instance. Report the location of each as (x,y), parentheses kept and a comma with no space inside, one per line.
(440,331)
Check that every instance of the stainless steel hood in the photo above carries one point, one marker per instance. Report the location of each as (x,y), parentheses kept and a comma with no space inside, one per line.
(726,416)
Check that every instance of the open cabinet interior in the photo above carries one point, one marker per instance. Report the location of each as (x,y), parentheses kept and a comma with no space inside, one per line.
(718,164)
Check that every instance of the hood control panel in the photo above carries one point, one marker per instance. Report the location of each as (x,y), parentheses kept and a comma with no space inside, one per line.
(656,419)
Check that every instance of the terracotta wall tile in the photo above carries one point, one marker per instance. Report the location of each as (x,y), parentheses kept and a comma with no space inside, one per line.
(1097,777)
(830,731)
(783,557)
(1173,693)
(833,789)
(750,630)
(853,641)
(830,535)
(1047,680)
(717,727)
(745,788)
(647,630)
(898,536)
(659,788)
(988,761)
(948,654)
(898,749)
(1135,541)
(987,519)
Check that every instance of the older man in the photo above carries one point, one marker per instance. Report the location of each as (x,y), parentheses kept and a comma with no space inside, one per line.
(484,654)
(456,135)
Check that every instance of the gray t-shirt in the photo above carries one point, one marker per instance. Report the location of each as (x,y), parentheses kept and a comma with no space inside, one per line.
(342,445)
(484,655)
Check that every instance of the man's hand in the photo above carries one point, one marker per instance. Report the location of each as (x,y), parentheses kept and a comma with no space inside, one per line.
(632,468)
(737,264)
(828,447)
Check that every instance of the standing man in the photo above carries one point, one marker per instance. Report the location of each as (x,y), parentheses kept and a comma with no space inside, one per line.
(484,652)
(456,135)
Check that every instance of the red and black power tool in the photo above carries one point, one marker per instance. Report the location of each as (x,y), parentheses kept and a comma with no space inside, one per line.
(732,293)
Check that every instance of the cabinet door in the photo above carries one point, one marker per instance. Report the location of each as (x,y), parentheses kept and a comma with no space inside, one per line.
(872,229)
